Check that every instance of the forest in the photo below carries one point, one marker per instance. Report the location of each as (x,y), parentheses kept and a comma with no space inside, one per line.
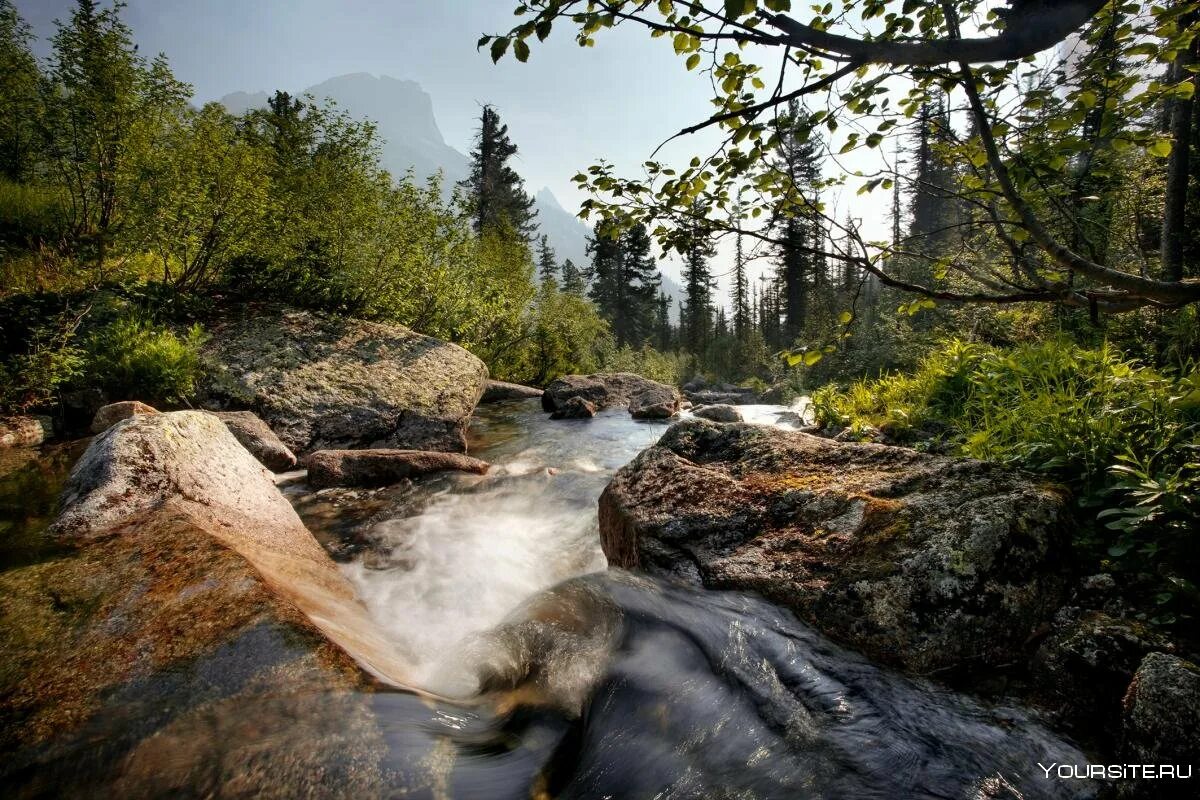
(1035,303)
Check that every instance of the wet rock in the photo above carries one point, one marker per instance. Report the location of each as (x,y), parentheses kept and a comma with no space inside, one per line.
(719,413)
(656,401)
(778,395)
(923,562)
(382,467)
(259,439)
(574,408)
(189,637)
(23,431)
(709,397)
(498,391)
(113,413)
(1162,721)
(322,382)
(645,398)
(1084,665)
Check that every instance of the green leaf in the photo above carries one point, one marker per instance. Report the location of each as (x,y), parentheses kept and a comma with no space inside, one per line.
(693,61)
(499,48)
(521,50)
(1161,148)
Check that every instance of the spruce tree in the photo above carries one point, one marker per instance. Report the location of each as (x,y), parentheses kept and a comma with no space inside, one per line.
(799,226)
(662,323)
(625,282)
(698,285)
(496,191)
(547,264)
(573,279)
(741,296)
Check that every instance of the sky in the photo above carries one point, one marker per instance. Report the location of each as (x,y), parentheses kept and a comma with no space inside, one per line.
(566,108)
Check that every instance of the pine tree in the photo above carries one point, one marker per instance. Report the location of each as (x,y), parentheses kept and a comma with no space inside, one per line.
(496,191)
(698,285)
(800,267)
(931,206)
(741,297)
(625,282)
(573,279)
(547,263)
(664,339)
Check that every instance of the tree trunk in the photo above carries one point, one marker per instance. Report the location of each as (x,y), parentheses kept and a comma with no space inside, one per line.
(1178,169)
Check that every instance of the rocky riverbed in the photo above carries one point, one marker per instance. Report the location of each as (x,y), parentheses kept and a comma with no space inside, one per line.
(753,612)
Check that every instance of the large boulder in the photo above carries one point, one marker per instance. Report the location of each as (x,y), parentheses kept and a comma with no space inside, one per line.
(919,561)
(257,437)
(1162,724)
(324,382)
(22,431)
(382,467)
(111,414)
(499,391)
(645,399)
(189,637)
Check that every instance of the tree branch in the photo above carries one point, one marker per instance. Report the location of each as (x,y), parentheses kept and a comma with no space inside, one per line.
(1024,35)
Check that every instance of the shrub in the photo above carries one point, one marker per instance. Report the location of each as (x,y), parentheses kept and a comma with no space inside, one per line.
(132,358)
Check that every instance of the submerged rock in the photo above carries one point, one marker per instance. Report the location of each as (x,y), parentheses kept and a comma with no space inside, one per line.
(382,467)
(498,391)
(191,637)
(322,382)
(719,413)
(646,399)
(257,437)
(22,431)
(574,408)
(923,562)
(113,413)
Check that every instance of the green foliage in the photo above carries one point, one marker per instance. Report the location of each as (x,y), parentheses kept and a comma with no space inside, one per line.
(563,336)
(1123,436)
(669,367)
(135,359)
(32,378)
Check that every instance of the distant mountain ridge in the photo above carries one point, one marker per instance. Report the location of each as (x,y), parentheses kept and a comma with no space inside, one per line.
(411,139)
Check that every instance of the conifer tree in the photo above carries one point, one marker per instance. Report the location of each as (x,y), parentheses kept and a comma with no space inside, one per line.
(573,279)
(496,191)
(801,231)
(662,323)
(625,282)
(547,263)
(698,285)
(741,297)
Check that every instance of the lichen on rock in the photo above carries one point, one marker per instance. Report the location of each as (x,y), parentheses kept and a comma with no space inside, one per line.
(924,562)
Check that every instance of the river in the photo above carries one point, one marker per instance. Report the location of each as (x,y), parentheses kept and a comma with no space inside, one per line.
(576,681)
(619,686)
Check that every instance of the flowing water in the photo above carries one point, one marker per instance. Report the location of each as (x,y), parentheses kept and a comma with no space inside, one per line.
(616,685)
(578,681)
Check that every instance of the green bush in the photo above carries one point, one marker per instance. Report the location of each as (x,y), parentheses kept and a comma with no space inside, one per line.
(1125,437)
(32,378)
(134,359)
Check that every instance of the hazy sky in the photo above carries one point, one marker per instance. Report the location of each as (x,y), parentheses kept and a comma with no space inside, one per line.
(565,108)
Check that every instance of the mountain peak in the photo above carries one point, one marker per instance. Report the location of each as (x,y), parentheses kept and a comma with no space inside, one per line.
(547,198)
